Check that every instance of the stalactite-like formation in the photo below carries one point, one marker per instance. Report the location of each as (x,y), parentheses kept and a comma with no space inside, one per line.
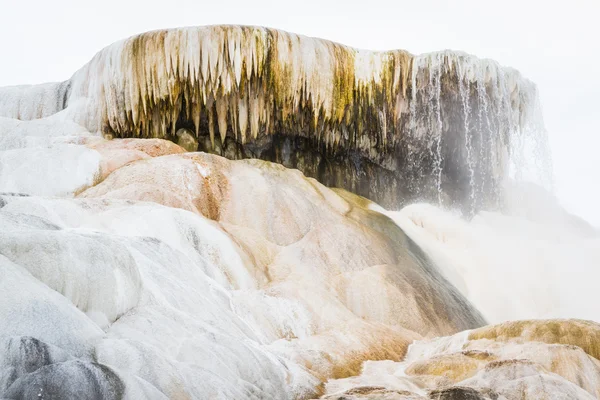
(388,125)
(468,119)
(247,82)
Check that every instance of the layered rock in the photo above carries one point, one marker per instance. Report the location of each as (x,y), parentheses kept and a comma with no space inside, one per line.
(390,126)
(542,359)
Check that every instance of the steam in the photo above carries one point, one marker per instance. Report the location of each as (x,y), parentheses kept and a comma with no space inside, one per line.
(533,260)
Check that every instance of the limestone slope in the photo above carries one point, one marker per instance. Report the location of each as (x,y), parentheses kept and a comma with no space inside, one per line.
(175,275)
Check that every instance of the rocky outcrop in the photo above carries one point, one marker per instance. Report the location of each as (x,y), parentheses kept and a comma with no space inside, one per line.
(515,360)
(391,126)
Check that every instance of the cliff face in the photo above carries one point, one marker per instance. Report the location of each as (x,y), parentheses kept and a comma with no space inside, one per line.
(390,126)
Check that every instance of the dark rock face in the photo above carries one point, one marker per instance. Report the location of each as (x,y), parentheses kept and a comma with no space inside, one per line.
(32,369)
(20,356)
(68,380)
(30,354)
(461,393)
(334,168)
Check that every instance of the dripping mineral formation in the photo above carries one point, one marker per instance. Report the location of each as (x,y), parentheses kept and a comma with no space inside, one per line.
(131,268)
(390,126)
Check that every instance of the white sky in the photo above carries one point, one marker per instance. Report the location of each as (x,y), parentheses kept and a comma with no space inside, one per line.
(554,43)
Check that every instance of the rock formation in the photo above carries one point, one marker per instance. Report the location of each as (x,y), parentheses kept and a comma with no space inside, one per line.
(543,359)
(133,267)
(391,126)
(245,262)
